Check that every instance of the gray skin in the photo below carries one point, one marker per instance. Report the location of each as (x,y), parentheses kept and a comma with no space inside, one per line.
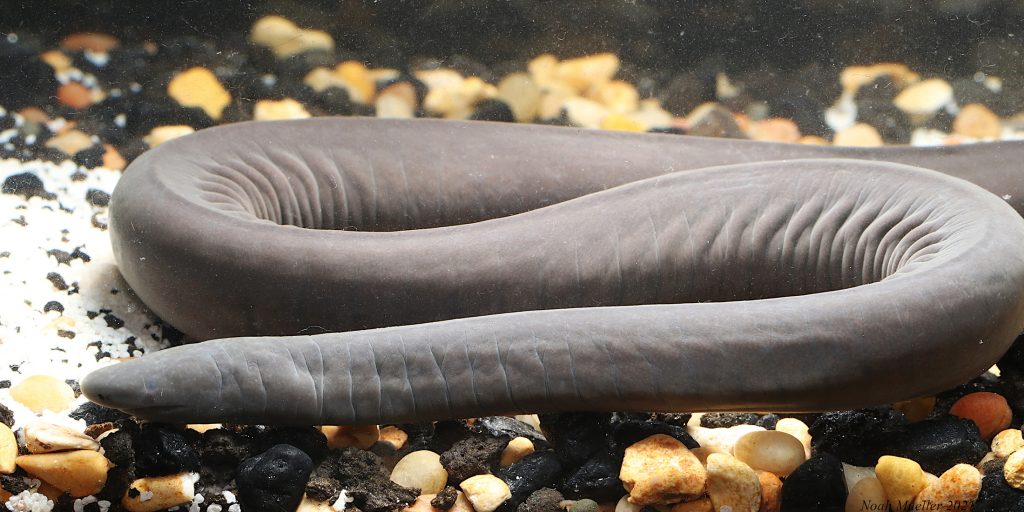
(482,269)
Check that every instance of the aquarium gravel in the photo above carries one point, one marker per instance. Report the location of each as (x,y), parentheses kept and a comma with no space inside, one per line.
(75,111)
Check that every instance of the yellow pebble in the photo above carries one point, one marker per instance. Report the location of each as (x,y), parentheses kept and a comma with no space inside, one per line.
(79,473)
(43,392)
(162,492)
(1013,470)
(199,87)
(162,134)
(394,436)
(621,123)
(901,478)
(273,110)
(517,448)
(360,436)
(8,450)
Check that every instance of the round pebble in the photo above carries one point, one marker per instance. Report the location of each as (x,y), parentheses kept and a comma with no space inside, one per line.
(41,437)
(360,436)
(977,121)
(584,505)
(661,470)
(521,94)
(777,452)
(199,87)
(858,135)
(8,450)
(394,436)
(721,440)
(1007,442)
(517,448)
(162,134)
(485,492)
(771,491)
(273,110)
(901,478)
(79,473)
(955,491)
(1013,470)
(925,97)
(421,469)
(868,494)
(775,129)
(988,410)
(732,484)
(43,392)
(74,95)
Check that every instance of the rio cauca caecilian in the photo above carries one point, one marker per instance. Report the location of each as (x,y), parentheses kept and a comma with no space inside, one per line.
(368,271)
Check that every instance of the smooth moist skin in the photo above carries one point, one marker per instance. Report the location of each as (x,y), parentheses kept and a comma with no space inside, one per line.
(485,268)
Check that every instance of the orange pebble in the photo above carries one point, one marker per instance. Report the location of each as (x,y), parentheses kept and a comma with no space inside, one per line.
(988,410)
(112,159)
(74,95)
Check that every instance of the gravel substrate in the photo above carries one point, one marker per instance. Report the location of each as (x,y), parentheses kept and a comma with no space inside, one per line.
(82,107)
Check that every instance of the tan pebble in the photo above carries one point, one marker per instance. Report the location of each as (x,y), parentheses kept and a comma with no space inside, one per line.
(98,430)
(382,74)
(733,484)
(8,450)
(901,478)
(112,158)
(542,68)
(57,60)
(359,436)
(1007,442)
(955,491)
(275,110)
(49,491)
(34,114)
(92,41)
(771,492)
(813,140)
(721,440)
(775,129)
(160,492)
(916,409)
(397,101)
(70,142)
(853,77)
(623,505)
(976,120)
(361,87)
(485,492)
(394,436)
(702,454)
(320,79)
(652,115)
(698,505)
(521,94)
(854,474)
(618,96)
(204,427)
(43,392)
(162,134)
(589,72)
(79,473)
(551,104)
(530,419)
(584,113)
(199,87)
(41,437)
(421,469)
(309,505)
(660,470)
(868,494)
(858,135)
(516,449)
(4,495)
(770,450)
(439,78)
(924,97)
(271,31)
(1013,470)
(303,41)
(622,123)
(74,95)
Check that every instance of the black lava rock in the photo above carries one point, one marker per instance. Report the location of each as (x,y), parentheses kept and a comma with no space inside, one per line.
(492,110)
(93,413)
(445,499)
(768,421)
(308,439)
(30,80)
(627,429)
(856,437)
(274,480)
(717,121)
(892,123)
(544,500)
(503,426)
(161,450)
(817,485)
(597,478)
(576,436)
(226,448)
(728,419)
(323,489)
(474,455)
(882,90)
(940,443)
(366,479)
(53,306)
(97,197)
(6,416)
(996,495)
(529,474)
(119,446)
(90,157)
(968,90)
(26,185)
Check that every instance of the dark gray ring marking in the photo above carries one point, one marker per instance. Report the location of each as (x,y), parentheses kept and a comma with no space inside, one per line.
(553,269)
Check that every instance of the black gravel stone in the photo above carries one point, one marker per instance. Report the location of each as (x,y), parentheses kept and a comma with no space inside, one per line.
(492,110)
(855,437)
(274,480)
(53,306)
(323,489)
(93,413)
(576,436)
(161,450)
(544,500)
(728,419)
(437,437)
(882,90)
(597,478)
(817,485)
(308,439)
(768,421)
(892,123)
(97,197)
(474,455)
(226,448)
(445,499)
(940,443)
(670,130)
(30,80)
(27,185)
(503,426)
(6,416)
(529,474)
(57,280)
(717,122)
(941,121)
(119,446)
(996,495)
(366,479)
(90,157)
(968,90)
(627,429)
